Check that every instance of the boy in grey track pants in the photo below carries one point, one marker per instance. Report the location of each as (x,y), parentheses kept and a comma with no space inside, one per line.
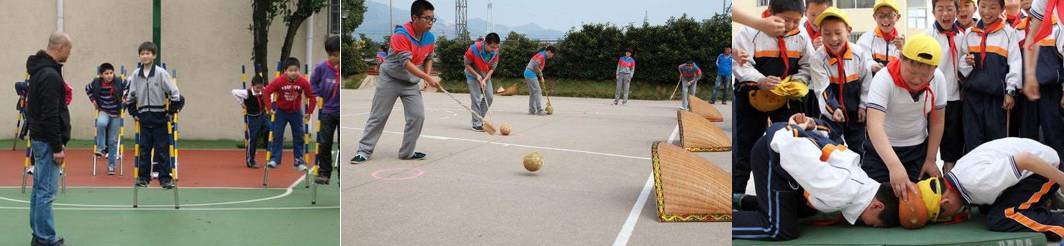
(533,73)
(625,71)
(408,62)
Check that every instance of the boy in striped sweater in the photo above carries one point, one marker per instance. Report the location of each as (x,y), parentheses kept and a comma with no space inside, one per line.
(107,94)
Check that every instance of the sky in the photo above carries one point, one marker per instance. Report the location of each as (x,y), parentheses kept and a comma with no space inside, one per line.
(561,15)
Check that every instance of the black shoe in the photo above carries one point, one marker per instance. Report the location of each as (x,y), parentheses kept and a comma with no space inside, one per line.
(358,159)
(478,129)
(723,102)
(38,242)
(418,156)
(142,182)
(251,164)
(168,184)
(322,180)
(712,102)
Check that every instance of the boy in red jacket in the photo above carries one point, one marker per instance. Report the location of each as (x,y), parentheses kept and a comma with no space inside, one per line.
(290,88)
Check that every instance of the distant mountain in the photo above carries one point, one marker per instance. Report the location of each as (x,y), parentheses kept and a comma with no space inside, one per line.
(375,25)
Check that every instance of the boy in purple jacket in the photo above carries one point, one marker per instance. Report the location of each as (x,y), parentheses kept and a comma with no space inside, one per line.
(325,80)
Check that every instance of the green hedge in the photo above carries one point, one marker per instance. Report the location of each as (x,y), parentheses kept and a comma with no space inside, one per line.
(591,52)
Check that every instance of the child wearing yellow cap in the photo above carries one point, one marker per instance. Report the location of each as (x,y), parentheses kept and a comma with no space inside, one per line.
(1014,177)
(905,117)
(848,76)
(992,75)
(773,60)
(883,42)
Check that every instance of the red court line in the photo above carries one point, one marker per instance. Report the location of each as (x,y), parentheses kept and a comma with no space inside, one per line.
(199,168)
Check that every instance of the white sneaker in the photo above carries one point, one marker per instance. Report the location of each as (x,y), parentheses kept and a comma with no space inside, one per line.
(301,168)
(29,171)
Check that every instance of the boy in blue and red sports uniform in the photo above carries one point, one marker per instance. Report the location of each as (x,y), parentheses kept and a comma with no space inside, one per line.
(480,61)
(407,63)
(533,74)
(625,71)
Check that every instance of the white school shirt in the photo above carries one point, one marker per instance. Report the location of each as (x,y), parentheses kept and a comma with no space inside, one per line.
(836,185)
(986,171)
(905,123)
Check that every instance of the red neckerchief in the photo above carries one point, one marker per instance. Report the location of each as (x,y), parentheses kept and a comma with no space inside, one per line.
(1013,20)
(1045,30)
(887,36)
(841,67)
(813,33)
(894,68)
(957,218)
(983,33)
(950,33)
(783,54)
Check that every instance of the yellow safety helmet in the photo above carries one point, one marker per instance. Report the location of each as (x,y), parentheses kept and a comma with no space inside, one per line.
(931,193)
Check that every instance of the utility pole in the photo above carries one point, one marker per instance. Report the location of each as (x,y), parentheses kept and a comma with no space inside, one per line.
(461,30)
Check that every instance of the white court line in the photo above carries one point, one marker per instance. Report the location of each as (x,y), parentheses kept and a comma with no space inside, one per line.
(637,209)
(514,145)
(287,192)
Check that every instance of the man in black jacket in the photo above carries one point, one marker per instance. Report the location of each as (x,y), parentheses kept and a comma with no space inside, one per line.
(49,132)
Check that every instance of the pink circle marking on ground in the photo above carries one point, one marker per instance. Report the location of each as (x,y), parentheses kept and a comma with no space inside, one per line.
(378,174)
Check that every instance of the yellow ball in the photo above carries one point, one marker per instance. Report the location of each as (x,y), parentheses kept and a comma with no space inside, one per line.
(533,161)
(505,129)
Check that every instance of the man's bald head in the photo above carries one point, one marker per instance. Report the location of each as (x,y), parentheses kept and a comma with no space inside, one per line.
(59,46)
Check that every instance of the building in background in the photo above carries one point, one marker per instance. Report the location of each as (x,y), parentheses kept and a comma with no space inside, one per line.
(206,41)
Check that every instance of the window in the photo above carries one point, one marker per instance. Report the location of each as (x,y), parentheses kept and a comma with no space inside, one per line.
(917,18)
(762,3)
(334,17)
(854,36)
(917,14)
(855,4)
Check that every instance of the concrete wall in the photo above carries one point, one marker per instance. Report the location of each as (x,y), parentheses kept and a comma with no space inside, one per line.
(206,41)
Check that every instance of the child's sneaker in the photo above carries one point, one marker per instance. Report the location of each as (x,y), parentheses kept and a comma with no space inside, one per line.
(141,182)
(322,180)
(111,171)
(98,154)
(418,156)
(29,171)
(271,164)
(251,164)
(301,166)
(478,129)
(358,159)
(168,184)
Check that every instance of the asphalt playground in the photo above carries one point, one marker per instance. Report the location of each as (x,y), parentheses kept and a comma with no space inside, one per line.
(595,187)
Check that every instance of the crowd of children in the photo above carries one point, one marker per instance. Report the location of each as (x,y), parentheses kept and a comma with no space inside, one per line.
(890,106)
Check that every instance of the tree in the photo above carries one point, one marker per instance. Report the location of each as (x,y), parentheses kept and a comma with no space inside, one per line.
(352,56)
(295,12)
(262,14)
